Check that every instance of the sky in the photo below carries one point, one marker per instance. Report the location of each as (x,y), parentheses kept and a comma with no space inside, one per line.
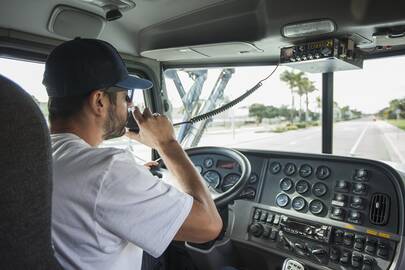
(368,90)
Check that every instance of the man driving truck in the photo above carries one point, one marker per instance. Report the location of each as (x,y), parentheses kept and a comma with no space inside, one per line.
(106,207)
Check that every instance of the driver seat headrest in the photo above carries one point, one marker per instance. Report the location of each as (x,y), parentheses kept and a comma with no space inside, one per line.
(25,183)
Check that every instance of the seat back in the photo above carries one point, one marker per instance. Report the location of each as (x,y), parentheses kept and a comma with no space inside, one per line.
(25,182)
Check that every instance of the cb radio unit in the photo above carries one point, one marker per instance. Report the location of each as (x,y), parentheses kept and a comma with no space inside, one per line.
(322,56)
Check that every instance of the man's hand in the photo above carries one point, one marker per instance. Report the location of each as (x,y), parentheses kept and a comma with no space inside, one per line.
(155,130)
(151,164)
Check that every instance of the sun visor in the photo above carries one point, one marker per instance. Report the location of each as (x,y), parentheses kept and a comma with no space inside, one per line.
(69,22)
(202,51)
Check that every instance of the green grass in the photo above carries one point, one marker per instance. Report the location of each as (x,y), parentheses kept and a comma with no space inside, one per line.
(398,123)
(295,126)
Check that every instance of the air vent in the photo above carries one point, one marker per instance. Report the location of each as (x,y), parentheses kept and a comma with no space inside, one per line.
(379,209)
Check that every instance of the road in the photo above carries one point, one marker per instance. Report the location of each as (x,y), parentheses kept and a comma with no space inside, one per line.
(360,138)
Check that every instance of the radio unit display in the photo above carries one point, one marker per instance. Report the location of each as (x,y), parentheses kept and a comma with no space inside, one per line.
(313,231)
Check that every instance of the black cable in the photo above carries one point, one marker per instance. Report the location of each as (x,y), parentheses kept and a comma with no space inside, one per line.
(226,106)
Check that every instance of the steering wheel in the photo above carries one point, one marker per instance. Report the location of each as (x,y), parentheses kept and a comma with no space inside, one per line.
(222,198)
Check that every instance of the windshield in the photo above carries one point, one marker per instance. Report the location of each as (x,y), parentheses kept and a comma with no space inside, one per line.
(285,113)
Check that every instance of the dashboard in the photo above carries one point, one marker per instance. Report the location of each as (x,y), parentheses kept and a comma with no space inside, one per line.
(326,211)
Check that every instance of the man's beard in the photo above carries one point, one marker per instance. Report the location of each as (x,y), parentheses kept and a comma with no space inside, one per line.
(114,126)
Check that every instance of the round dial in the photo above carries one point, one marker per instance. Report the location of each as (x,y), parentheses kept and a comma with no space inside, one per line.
(316,207)
(305,170)
(229,181)
(275,167)
(208,162)
(319,189)
(212,178)
(248,193)
(302,186)
(256,229)
(253,178)
(282,200)
(298,203)
(290,169)
(286,184)
(322,172)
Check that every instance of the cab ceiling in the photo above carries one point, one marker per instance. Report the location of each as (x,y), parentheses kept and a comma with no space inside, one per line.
(161,24)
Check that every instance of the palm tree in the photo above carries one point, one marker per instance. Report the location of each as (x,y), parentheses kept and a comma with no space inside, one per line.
(319,103)
(308,87)
(292,79)
(301,86)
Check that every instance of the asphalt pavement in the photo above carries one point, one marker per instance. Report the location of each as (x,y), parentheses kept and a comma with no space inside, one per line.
(359,138)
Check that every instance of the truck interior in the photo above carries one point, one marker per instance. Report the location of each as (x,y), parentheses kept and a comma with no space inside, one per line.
(292,111)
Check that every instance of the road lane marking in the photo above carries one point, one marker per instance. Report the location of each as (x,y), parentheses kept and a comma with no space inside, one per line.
(354,148)
(395,149)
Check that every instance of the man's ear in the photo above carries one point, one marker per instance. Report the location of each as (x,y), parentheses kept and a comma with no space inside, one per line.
(97,102)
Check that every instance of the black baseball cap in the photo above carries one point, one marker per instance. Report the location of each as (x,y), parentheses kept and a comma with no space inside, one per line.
(80,66)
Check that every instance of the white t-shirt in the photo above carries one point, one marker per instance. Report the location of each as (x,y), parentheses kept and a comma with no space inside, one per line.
(107,209)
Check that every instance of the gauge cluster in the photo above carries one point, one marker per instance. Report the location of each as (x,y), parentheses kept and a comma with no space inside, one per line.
(222,173)
(347,192)
(301,186)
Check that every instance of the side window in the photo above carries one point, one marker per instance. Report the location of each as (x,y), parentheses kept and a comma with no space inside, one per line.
(29,76)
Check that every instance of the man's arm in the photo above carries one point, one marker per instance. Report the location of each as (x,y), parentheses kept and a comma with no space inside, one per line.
(203,222)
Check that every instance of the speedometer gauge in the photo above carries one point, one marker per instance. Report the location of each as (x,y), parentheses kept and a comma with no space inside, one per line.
(316,207)
(282,200)
(212,178)
(229,181)
(298,203)
(302,186)
(286,184)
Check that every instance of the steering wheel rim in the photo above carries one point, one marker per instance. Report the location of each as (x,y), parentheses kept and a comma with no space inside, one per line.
(222,199)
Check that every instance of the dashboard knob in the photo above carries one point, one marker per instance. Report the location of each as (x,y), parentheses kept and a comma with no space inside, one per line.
(359,188)
(361,175)
(342,186)
(256,229)
(357,203)
(309,231)
(355,217)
